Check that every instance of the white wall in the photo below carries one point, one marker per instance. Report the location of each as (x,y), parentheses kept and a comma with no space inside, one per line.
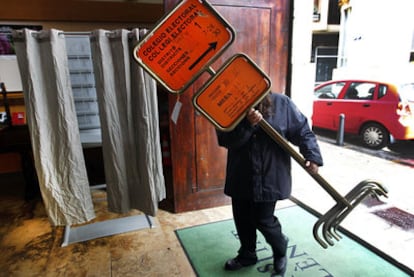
(303,71)
(378,39)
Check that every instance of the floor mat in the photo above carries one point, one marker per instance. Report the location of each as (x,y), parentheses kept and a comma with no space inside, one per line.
(208,246)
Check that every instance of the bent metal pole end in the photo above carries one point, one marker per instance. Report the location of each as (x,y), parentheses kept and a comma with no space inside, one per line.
(331,219)
(324,222)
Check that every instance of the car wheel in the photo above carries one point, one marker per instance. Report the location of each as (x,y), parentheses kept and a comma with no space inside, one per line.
(374,136)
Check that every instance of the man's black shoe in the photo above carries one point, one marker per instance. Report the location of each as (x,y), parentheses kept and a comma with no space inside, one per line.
(279,265)
(237,263)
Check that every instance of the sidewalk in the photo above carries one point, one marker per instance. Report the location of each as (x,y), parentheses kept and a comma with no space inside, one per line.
(387,225)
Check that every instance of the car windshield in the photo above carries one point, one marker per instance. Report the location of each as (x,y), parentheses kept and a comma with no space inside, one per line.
(407,92)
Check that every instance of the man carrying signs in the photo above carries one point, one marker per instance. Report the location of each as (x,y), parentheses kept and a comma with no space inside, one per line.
(259,173)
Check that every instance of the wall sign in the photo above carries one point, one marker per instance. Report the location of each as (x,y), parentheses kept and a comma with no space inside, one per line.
(184,44)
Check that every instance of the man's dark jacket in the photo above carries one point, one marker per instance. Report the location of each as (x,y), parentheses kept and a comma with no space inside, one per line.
(257,168)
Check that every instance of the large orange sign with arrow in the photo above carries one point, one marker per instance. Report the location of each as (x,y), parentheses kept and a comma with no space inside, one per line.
(184,44)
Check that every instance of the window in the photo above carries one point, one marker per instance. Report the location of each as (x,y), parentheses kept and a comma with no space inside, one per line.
(382,91)
(329,91)
(325,59)
(360,91)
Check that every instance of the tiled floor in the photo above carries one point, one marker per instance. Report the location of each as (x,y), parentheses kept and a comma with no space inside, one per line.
(31,247)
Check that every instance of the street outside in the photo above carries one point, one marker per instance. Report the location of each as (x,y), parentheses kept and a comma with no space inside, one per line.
(388,224)
(400,151)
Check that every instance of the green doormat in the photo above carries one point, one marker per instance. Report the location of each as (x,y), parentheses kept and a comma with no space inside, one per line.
(208,246)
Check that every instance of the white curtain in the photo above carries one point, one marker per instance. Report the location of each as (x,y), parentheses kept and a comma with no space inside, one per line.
(128,110)
(53,126)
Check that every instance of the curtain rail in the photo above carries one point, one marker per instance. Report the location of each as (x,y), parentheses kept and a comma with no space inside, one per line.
(35,34)
(87,33)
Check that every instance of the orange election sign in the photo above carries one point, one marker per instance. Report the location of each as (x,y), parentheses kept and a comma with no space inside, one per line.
(238,86)
(183,44)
